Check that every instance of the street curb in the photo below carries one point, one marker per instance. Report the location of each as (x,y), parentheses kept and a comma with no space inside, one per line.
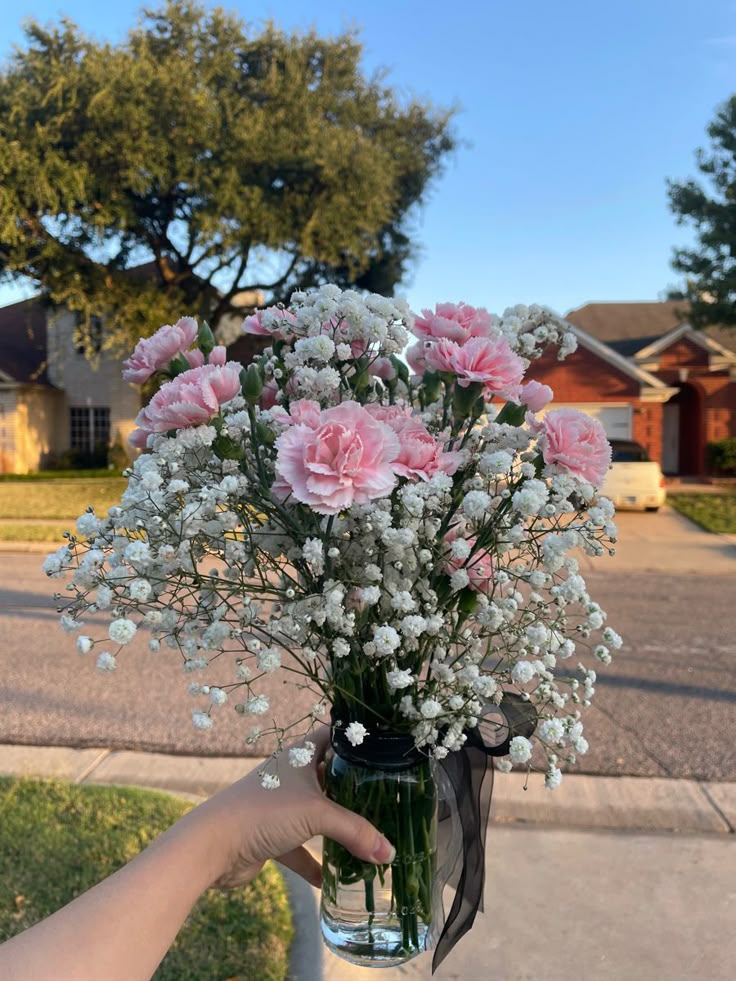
(617,803)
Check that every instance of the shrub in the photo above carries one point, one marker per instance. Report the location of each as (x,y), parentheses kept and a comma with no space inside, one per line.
(721,456)
(117,456)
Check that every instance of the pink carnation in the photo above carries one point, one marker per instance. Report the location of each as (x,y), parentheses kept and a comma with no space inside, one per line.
(535,396)
(154,353)
(304,412)
(347,459)
(479,566)
(575,443)
(191,399)
(396,416)
(454,321)
(218,355)
(267,399)
(492,363)
(416,357)
(382,368)
(420,456)
(280,323)
(441,356)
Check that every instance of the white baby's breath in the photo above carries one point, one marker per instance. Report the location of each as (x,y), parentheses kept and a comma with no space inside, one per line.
(429,592)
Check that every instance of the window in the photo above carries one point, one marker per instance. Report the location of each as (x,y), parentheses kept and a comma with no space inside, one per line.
(89,428)
(625,452)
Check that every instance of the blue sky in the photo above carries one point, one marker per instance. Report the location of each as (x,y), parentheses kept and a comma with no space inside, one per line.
(572,115)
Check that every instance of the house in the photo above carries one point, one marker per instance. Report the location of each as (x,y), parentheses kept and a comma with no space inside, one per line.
(53,402)
(649,376)
(640,368)
(55,405)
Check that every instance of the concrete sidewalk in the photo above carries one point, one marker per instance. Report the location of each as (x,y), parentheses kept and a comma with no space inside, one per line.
(588,802)
(589,881)
(592,906)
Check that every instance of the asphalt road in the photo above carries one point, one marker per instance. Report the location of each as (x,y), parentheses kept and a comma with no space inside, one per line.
(665,707)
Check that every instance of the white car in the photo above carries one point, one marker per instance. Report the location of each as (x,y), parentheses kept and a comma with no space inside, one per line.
(634,481)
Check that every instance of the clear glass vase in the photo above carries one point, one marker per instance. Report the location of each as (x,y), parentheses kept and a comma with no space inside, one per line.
(381,916)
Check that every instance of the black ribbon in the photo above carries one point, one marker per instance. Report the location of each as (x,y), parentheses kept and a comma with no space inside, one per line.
(469,778)
(470,775)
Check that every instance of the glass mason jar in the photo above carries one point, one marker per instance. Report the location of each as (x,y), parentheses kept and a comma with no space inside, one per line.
(381,915)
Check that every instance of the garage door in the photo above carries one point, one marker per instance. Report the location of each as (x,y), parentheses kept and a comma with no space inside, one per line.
(615,419)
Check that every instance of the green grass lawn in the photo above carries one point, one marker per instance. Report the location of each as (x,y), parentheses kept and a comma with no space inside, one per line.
(60,475)
(65,498)
(714,512)
(59,839)
(16,531)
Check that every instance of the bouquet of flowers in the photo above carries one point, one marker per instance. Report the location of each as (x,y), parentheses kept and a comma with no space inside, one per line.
(392,529)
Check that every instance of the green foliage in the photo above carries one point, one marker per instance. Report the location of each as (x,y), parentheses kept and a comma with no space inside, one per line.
(710,267)
(60,839)
(713,512)
(721,456)
(117,454)
(236,159)
(67,460)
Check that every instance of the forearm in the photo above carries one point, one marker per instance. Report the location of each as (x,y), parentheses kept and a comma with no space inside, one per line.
(121,928)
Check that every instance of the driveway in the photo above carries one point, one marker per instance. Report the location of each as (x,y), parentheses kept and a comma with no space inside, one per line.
(666,542)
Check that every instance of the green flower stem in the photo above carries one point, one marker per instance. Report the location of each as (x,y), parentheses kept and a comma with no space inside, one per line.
(403,807)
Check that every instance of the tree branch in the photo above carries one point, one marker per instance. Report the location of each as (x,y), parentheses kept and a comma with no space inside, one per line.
(279,282)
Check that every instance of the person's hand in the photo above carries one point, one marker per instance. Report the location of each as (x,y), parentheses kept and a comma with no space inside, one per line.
(249,824)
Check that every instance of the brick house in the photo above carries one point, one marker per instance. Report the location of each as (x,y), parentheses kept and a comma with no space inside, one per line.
(649,376)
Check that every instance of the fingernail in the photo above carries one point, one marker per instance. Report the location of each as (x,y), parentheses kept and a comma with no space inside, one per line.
(384,853)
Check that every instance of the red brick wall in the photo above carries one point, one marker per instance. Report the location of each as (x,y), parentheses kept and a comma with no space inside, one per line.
(583,377)
(683,353)
(720,406)
(647,427)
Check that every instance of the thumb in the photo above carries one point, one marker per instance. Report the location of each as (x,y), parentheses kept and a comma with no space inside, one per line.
(355,833)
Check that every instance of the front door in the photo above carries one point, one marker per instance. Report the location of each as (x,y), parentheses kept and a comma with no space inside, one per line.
(671,437)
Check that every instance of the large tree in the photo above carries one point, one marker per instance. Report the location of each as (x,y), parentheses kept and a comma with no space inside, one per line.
(710,206)
(231,159)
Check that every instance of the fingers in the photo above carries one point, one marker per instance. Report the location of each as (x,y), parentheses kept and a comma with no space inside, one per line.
(355,833)
(321,739)
(302,862)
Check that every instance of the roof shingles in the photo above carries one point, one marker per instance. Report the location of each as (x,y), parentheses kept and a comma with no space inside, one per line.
(23,354)
(629,327)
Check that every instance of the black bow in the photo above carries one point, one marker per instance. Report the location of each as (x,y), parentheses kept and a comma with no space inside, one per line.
(470,775)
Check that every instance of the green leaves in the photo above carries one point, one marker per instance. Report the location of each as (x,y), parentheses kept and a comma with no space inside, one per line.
(709,270)
(206,146)
(464,400)
(401,368)
(227,449)
(512,414)
(178,365)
